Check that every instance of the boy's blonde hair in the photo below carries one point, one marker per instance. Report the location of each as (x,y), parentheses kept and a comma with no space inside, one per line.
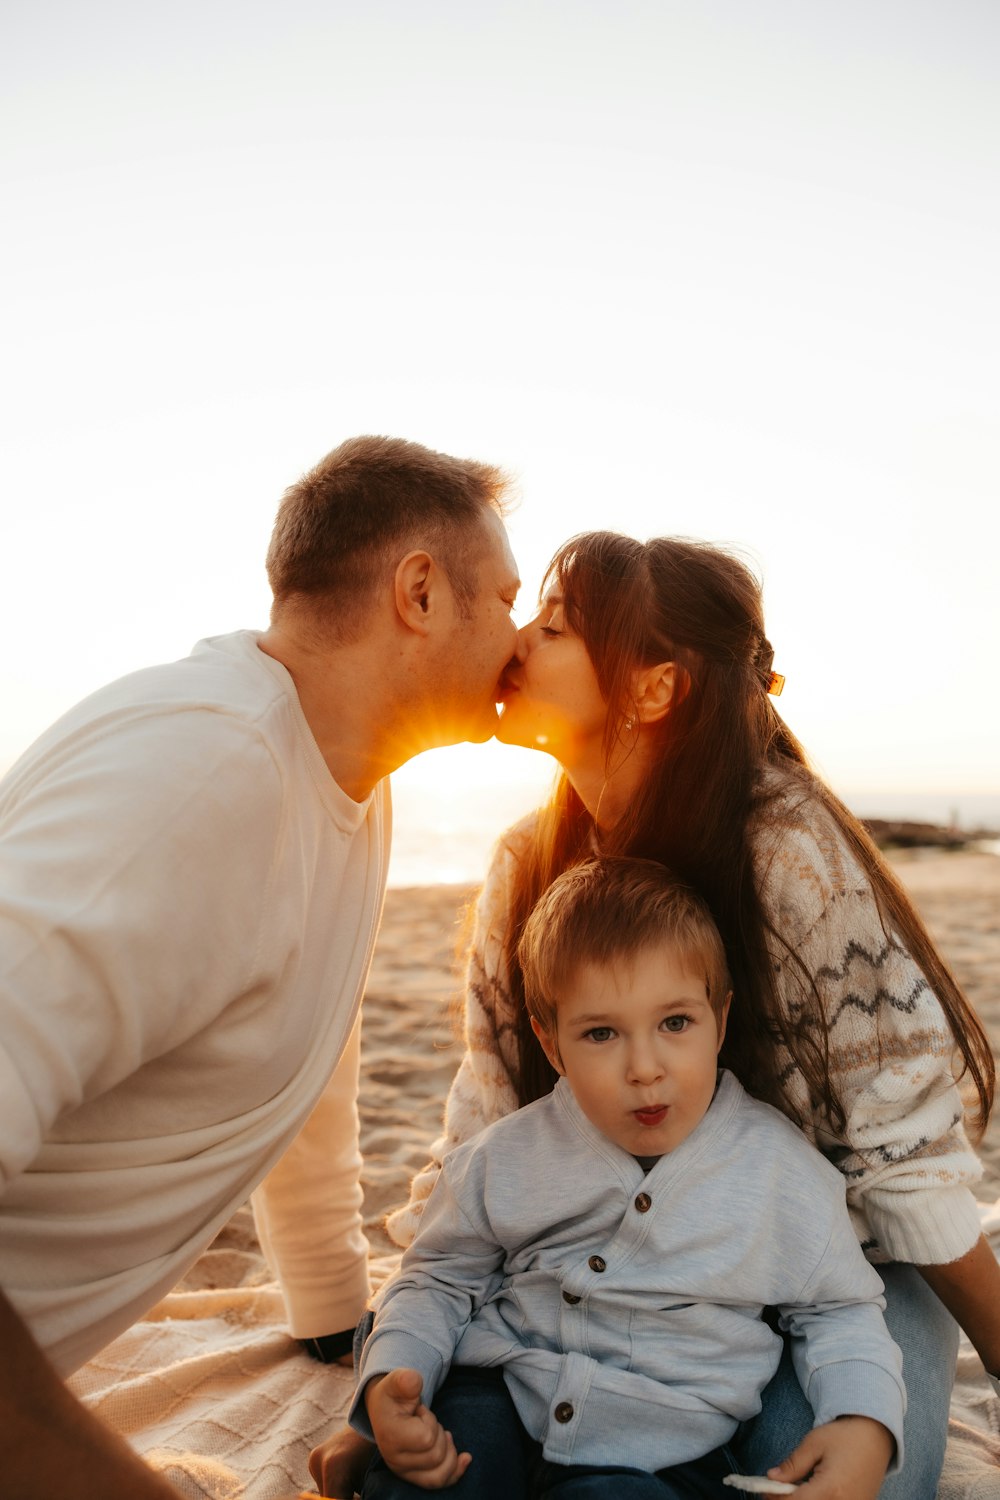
(608,909)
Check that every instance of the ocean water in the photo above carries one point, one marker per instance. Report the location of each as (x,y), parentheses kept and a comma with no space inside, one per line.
(445,835)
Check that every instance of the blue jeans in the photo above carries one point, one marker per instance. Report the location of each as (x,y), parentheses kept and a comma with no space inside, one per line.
(928,1338)
(701,1479)
(507,1464)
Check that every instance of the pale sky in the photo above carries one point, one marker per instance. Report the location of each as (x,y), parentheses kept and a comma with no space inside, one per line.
(725,269)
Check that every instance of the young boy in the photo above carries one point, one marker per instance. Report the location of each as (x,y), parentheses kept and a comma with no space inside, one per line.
(610,1249)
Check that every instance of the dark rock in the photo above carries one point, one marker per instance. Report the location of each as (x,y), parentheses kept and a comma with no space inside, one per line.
(890,833)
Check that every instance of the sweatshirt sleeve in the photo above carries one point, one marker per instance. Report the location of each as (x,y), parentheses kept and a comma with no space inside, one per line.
(483,1089)
(903,1152)
(114,946)
(844,1356)
(308,1211)
(451,1269)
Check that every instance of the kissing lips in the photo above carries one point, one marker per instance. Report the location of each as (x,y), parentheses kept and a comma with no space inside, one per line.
(654,1114)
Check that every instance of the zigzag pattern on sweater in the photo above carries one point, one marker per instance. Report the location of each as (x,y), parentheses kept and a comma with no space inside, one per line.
(890,1155)
(886,1156)
(853,950)
(906,1004)
(876,960)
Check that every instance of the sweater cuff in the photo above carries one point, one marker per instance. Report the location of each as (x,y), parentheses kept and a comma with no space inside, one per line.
(925,1228)
(317,1308)
(308,1211)
(394,1351)
(858,1388)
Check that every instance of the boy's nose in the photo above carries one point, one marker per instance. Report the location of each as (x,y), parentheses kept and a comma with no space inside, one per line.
(644,1067)
(521,646)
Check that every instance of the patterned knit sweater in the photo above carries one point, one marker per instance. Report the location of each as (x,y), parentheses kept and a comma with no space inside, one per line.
(904,1150)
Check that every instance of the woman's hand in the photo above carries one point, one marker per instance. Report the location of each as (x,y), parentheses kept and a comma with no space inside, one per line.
(842,1460)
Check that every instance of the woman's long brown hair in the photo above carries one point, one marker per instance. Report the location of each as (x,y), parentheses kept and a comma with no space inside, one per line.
(637,604)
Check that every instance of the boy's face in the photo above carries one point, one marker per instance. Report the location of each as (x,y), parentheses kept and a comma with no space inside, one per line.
(638,1043)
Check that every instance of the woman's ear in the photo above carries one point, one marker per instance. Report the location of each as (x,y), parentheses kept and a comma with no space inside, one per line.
(547,1042)
(414,584)
(653,692)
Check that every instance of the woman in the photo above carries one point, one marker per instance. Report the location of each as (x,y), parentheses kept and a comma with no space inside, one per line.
(646,674)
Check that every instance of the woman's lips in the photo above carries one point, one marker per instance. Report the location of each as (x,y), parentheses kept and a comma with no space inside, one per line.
(651,1116)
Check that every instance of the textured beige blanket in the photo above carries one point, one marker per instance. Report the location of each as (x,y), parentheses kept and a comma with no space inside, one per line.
(213,1391)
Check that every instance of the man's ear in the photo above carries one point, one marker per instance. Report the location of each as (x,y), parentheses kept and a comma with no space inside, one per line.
(416,584)
(721,1020)
(547,1042)
(653,691)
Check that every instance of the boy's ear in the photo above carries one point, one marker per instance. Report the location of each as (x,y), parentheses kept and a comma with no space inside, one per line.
(547,1042)
(654,690)
(721,1021)
(417,583)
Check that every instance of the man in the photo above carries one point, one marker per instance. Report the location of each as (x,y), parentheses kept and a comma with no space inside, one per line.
(194,866)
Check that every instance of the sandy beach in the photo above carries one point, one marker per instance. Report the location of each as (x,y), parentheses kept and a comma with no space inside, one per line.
(411,1048)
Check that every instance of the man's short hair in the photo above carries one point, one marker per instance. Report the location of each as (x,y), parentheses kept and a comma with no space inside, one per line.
(343,527)
(606,910)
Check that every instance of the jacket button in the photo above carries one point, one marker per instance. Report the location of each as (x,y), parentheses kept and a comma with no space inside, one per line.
(597,1264)
(568,1297)
(644,1203)
(563,1412)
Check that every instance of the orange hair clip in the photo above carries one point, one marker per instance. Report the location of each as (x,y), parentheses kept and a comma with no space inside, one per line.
(775,684)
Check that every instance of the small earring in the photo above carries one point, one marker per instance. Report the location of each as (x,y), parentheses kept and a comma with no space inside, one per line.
(630,723)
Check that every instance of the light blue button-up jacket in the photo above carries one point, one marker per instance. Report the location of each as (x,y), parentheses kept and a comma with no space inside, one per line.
(624,1307)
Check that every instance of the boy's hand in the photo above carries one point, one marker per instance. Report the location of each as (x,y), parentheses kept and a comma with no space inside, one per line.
(844,1460)
(410,1438)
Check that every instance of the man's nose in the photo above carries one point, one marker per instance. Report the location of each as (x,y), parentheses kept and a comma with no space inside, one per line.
(521,646)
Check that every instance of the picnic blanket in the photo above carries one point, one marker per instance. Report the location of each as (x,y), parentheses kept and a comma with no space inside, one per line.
(211,1389)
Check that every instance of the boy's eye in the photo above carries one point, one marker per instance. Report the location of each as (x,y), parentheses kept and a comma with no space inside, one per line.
(599,1034)
(676,1023)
